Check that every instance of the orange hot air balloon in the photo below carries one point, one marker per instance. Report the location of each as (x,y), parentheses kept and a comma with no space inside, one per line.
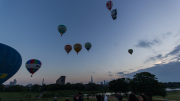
(68,48)
(77,47)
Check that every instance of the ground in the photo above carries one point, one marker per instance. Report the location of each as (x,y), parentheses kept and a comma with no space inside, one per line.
(17,96)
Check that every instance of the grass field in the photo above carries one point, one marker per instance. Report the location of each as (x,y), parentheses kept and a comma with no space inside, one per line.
(171,96)
(18,96)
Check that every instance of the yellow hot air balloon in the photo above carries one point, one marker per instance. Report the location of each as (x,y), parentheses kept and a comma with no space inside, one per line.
(77,47)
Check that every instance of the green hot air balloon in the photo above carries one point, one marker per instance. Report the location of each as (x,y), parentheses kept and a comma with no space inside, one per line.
(130,51)
(88,46)
(62,29)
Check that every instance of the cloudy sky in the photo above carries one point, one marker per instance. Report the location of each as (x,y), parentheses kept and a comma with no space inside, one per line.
(150,28)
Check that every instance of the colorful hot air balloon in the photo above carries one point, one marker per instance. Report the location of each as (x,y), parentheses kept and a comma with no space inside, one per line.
(88,46)
(109,5)
(10,62)
(33,65)
(68,48)
(114,14)
(62,29)
(77,47)
(130,51)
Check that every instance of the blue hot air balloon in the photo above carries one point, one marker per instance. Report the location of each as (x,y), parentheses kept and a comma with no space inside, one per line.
(88,46)
(10,62)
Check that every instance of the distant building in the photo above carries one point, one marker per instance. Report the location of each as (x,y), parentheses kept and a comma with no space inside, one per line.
(91,79)
(101,83)
(104,81)
(61,80)
(30,85)
(13,83)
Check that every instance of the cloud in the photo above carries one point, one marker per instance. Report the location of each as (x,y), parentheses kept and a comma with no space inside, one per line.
(109,72)
(93,72)
(144,44)
(120,72)
(148,44)
(177,42)
(166,35)
(156,41)
(167,69)
(166,73)
(154,58)
(131,69)
(177,34)
(175,51)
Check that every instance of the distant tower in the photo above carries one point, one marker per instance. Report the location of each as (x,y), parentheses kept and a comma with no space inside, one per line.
(91,79)
(104,81)
(15,81)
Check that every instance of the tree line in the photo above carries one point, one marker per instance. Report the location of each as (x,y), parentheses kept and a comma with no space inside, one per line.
(141,82)
(172,84)
(53,87)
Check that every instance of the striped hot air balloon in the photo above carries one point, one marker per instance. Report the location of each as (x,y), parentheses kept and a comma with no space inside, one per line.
(33,65)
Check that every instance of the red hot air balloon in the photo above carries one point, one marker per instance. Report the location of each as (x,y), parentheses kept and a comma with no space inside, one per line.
(109,5)
(68,48)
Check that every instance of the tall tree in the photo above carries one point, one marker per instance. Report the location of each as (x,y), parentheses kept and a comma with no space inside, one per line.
(147,82)
(120,85)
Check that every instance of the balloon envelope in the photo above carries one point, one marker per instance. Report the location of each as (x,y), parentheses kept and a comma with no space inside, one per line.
(77,47)
(130,51)
(114,14)
(33,65)
(109,5)
(10,62)
(88,45)
(62,29)
(68,48)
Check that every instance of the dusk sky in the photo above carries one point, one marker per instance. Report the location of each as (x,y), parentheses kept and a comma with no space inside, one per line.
(151,28)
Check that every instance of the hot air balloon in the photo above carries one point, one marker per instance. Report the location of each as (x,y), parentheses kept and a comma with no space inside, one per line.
(114,14)
(77,47)
(33,65)
(130,51)
(109,5)
(62,29)
(88,46)
(68,48)
(10,62)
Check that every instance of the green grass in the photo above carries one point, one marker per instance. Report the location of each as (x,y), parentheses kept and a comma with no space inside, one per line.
(17,96)
(171,96)
(5,95)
